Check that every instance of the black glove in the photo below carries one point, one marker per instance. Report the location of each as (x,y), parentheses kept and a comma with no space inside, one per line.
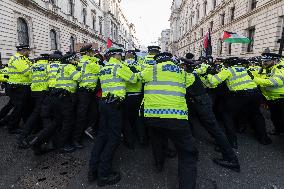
(250,74)
(78,68)
(133,69)
(211,71)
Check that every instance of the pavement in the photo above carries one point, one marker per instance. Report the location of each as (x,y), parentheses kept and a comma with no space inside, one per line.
(261,166)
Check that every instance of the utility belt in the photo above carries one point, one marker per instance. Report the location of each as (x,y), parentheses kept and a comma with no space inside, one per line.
(83,89)
(133,94)
(111,99)
(16,86)
(248,92)
(59,92)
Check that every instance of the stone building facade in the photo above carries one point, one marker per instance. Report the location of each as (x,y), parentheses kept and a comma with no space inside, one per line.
(164,40)
(260,20)
(48,25)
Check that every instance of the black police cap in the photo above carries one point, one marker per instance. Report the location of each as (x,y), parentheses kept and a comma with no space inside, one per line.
(68,57)
(86,48)
(58,52)
(271,56)
(189,56)
(113,51)
(55,57)
(154,48)
(163,56)
(23,47)
(131,52)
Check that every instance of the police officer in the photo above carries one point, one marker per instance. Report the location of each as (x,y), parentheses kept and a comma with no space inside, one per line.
(202,105)
(166,113)
(4,117)
(39,87)
(59,115)
(244,97)
(133,123)
(18,88)
(87,102)
(272,88)
(152,51)
(113,78)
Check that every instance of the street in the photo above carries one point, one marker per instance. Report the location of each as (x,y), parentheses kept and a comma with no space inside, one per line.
(261,166)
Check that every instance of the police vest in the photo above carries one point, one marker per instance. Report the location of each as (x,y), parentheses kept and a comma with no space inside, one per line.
(39,76)
(67,78)
(134,87)
(113,77)
(19,70)
(275,90)
(52,70)
(149,60)
(164,94)
(89,72)
(239,80)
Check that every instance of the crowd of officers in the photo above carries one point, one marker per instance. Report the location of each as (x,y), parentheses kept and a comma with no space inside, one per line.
(123,96)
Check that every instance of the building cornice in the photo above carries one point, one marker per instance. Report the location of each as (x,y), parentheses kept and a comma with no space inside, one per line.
(236,20)
(53,14)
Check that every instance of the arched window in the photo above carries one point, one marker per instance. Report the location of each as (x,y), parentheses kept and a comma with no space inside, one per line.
(84,15)
(71,7)
(72,44)
(23,32)
(53,39)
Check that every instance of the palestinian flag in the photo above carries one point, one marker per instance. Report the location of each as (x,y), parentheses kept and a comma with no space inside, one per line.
(231,37)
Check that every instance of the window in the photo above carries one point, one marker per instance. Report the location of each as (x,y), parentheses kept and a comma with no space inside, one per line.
(253,4)
(220,47)
(222,17)
(230,48)
(53,39)
(71,7)
(94,22)
(201,32)
(197,12)
(205,8)
(84,15)
(23,32)
(72,44)
(214,3)
(52,2)
(232,13)
(251,33)
(211,26)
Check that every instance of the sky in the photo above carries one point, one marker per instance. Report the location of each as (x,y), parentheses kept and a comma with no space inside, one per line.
(150,17)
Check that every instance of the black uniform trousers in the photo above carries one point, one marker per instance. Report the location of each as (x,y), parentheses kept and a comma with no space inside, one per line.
(57,115)
(34,120)
(6,109)
(276,108)
(203,108)
(246,104)
(86,112)
(20,98)
(180,134)
(132,123)
(108,138)
(49,117)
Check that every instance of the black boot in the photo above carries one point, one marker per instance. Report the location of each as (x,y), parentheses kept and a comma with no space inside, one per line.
(78,145)
(111,179)
(265,141)
(92,176)
(229,164)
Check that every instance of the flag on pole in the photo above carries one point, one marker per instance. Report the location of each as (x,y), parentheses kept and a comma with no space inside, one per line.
(231,37)
(109,43)
(207,44)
